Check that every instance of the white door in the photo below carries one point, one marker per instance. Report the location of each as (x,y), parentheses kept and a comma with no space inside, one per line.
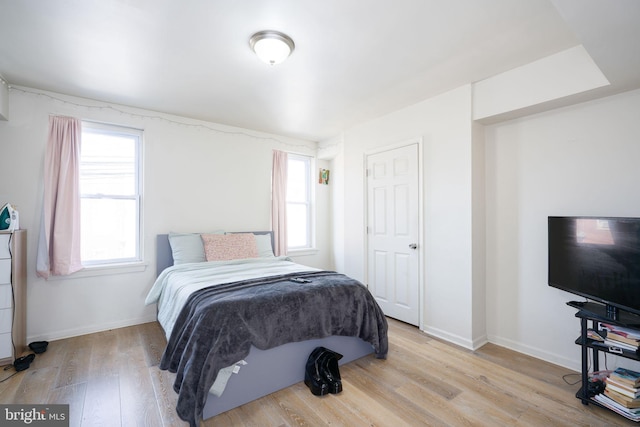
(393,232)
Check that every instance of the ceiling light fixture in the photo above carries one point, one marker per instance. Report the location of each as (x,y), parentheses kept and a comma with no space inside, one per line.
(272,47)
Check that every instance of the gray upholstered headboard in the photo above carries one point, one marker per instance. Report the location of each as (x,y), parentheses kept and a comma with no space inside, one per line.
(164,258)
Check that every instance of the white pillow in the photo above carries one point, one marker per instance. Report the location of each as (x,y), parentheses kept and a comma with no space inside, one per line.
(263,243)
(188,247)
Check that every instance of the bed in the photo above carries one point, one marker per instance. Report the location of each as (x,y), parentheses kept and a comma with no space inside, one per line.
(266,367)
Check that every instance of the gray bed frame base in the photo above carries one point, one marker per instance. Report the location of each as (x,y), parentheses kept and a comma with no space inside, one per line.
(267,371)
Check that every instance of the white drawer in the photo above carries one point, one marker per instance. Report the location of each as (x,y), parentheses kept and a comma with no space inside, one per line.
(5,240)
(6,320)
(6,347)
(6,300)
(5,271)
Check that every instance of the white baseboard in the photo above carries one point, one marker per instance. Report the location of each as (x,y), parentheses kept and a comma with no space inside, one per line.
(479,342)
(447,336)
(573,364)
(90,329)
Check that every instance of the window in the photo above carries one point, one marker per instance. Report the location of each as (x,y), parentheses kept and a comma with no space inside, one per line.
(299,202)
(110,188)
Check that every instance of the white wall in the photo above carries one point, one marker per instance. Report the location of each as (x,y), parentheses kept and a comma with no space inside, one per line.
(479,259)
(332,151)
(444,125)
(487,194)
(323,258)
(198,176)
(551,80)
(4,99)
(579,160)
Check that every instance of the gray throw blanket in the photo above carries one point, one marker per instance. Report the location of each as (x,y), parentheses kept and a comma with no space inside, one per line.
(218,325)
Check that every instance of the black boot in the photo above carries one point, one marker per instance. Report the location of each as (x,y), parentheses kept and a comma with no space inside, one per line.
(330,370)
(312,375)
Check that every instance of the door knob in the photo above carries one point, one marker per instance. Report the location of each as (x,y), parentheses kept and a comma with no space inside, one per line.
(413,246)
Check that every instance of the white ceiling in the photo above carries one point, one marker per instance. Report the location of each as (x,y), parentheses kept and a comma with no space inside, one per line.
(354,59)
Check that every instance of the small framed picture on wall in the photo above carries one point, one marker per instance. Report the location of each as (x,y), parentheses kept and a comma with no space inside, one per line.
(324,177)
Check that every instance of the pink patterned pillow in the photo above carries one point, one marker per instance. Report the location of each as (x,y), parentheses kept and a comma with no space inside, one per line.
(225,247)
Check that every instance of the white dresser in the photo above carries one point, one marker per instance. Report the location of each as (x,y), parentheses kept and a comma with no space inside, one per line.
(13,275)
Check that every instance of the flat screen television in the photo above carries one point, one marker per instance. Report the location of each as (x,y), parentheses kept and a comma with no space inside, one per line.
(597,258)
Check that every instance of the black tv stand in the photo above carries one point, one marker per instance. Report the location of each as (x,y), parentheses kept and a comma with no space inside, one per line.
(604,313)
(596,313)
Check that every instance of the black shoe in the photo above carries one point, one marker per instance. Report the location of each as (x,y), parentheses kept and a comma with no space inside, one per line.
(39,346)
(22,363)
(312,376)
(330,370)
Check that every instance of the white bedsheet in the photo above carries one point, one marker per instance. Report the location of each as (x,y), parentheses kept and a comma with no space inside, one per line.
(174,285)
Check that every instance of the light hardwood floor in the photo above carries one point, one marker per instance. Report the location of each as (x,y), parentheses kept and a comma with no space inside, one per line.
(112,379)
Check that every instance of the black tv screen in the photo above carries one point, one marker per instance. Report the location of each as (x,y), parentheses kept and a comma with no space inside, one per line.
(597,258)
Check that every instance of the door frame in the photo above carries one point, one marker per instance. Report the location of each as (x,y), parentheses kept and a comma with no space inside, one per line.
(421,255)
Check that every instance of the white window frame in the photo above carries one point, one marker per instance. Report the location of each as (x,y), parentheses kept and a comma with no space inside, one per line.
(134,263)
(309,203)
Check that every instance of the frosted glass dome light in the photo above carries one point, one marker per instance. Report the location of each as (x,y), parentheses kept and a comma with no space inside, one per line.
(272,47)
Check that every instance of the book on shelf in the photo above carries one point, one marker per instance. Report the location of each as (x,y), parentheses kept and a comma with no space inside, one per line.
(621,338)
(595,335)
(633,334)
(615,381)
(632,414)
(622,399)
(631,393)
(626,376)
(618,344)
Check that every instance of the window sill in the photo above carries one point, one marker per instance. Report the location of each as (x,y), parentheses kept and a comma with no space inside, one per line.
(302,252)
(104,270)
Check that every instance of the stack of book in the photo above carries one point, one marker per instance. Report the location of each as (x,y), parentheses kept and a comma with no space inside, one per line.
(622,393)
(624,338)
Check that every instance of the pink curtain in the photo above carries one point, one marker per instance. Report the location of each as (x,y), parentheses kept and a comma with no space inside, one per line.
(59,243)
(279,202)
